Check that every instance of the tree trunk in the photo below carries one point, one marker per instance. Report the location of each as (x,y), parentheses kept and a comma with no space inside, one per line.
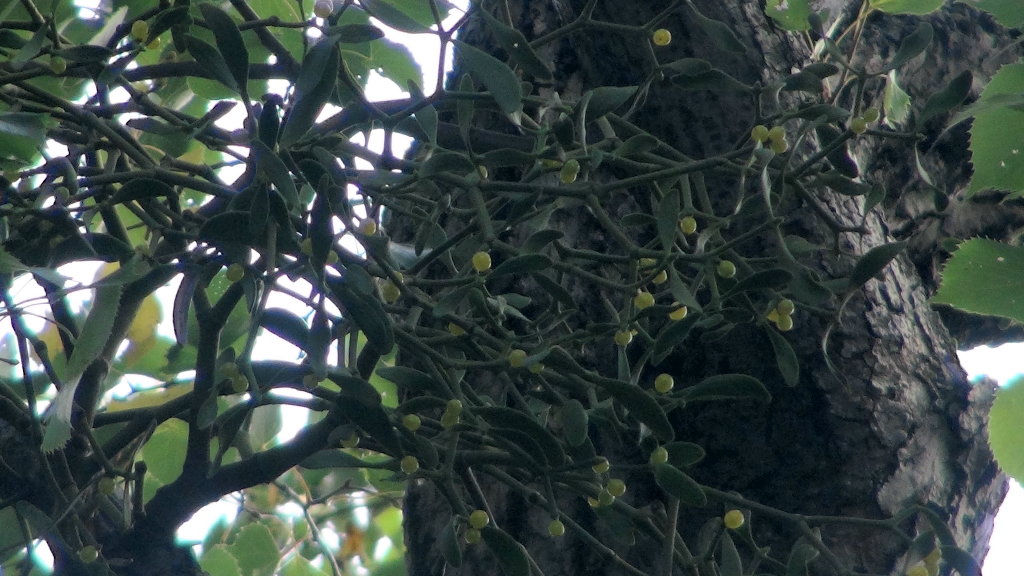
(895,422)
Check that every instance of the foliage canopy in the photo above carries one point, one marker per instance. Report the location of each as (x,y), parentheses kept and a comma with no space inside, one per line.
(450,344)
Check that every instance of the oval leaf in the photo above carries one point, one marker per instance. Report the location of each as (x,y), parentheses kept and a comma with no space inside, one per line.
(727,387)
(678,484)
(499,79)
(642,406)
(873,262)
(574,422)
(510,554)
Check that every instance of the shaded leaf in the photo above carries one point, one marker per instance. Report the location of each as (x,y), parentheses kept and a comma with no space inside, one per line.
(513,419)
(574,422)
(211,61)
(229,43)
(642,406)
(510,554)
(518,48)
(873,262)
(672,335)
(912,45)
(785,358)
(520,265)
(500,80)
(727,387)
(677,483)
(952,95)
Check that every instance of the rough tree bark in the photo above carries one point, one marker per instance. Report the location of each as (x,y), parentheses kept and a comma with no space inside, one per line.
(901,423)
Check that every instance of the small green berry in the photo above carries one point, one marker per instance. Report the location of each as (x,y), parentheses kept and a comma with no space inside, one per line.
(472,536)
(777,134)
(105,486)
(759,133)
(454,406)
(323,8)
(367,227)
(536,368)
(351,441)
(481,261)
(616,487)
(858,125)
(239,384)
(726,269)
(478,519)
(570,170)
(88,554)
(605,498)
(411,422)
(58,65)
(602,466)
(733,519)
(390,292)
(235,272)
(918,570)
(784,323)
(664,383)
(785,307)
(659,455)
(870,114)
(623,338)
(779,146)
(410,464)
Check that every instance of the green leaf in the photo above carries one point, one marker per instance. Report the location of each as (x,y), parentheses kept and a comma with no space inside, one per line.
(297,565)
(411,380)
(895,102)
(684,454)
(366,311)
(164,452)
(286,325)
(313,88)
(605,99)
(219,561)
(688,66)
(711,80)
(229,43)
(785,358)
(673,335)
(677,483)
(918,7)
(729,560)
(139,188)
(255,549)
(668,219)
(952,95)
(727,387)
(642,406)
(1006,12)
(789,14)
(519,265)
(770,279)
(334,458)
(538,240)
(719,32)
(995,151)
(31,48)
(510,554)
(800,556)
(873,262)
(1005,434)
(211,61)
(271,164)
(960,560)
(451,548)
(393,17)
(574,422)
(514,43)
(912,45)
(499,79)
(515,420)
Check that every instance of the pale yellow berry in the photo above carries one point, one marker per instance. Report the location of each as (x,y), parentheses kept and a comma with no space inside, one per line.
(777,133)
(605,498)
(733,519)
(390,292)
(858,125)
(478,519)
(517,358)
(623,338)
(661,37)
(688,225)
(570,171)
(536,368)
(659,455)
(239,384)
(472,536)
(726,269)
(88,554)
(759,133)
(784,323)
(678,313)
(661,278)
(643,299)
(779,146)
(918,570)
(785,307)
(616,487)
(307,246)
(455,329)
(140,30)
(556,528)
(481,261)
(602,466)
(368,227)
(664,383)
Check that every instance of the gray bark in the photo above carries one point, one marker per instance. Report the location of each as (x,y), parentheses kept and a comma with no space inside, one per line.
(899,423)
